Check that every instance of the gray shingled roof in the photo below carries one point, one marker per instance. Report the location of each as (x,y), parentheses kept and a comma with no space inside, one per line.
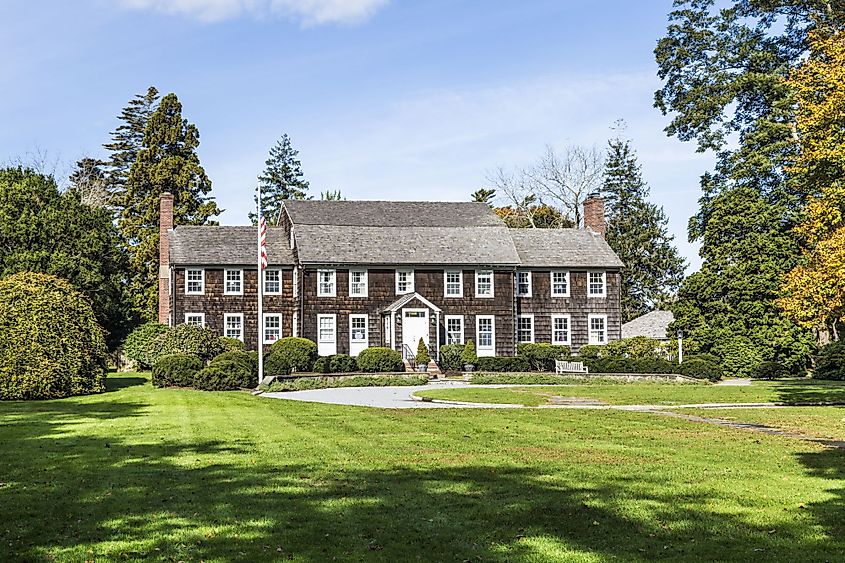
(333,244)
(652,325)
(226,246)
(392,213)
(566,248)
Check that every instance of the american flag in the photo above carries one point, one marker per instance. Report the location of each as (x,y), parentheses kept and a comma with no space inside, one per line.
(262,227)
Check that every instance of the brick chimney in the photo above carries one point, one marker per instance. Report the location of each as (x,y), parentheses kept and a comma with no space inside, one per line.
(594,213)
(165,224)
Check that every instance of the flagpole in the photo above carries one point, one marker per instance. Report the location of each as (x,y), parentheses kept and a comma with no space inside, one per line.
(260,298)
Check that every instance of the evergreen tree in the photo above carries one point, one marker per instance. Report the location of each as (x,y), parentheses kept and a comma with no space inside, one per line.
(127,140)
(484,196)
(282,179)
(332,195)
(637,231)
(167,162)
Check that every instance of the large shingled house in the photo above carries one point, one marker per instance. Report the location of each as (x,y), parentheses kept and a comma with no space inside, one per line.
(354,274)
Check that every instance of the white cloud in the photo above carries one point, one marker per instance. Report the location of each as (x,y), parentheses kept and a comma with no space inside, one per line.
(308,12)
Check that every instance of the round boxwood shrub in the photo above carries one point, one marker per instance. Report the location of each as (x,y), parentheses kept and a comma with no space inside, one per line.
(701,369)
(176,370)
(769,370)
(231,344)
(50,343)
(137,345)
(245,359)
(377,359)
(186,339)
(275,365)
(322,365)
(830,363)
(342,363)
(450,357)
(299,353)
(225,375)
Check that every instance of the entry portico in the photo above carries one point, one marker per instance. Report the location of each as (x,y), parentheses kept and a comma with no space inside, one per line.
(408,319)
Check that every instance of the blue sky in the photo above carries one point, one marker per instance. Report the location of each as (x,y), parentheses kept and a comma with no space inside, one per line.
(385,99)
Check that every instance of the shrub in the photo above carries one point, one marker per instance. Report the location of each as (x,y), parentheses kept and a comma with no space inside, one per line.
(299,353)
(450,357)
(541,357)
(637,347)
(322,365)
(713,359)
(176,370)
(186,339)
(502,364)
(225,375)
(739,356)
(275,365)
(468,356)
(248,362)
(137,344)
(770,370)
(630,365)
(307,383)
(377,359)
(231,344)
(591,351)
(422,357)
(50,343)
(701,369)
(343,363)
(830,363)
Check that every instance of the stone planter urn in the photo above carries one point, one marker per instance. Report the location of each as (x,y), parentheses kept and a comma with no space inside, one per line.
(468,368)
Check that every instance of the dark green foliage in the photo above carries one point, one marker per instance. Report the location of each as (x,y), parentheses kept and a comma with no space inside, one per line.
(276,364)
(422,357)
(299,353)
(541,357)
(167,162)
(830,363)
(307,383)
(128,139)
(637,347)
(232,344)
(701,369)
(247,361)
(186,339)
(377,359)
(591,351)
(740,356)
(177,370)
(769,370)
(343,363)
(468,356)
(322,365)
(712,358)
(637,230)
(43,230)
(450,357)
(282,179)
(525,379)
(227,375)
(50,343)
(503,363)
(138,344)
(631,365)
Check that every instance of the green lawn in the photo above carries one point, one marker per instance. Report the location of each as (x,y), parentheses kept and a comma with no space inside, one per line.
(821,422)
(143,473)
(647,393)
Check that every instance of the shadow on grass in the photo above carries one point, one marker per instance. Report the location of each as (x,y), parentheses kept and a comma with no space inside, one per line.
(118,381)
(208,500)
(810,391)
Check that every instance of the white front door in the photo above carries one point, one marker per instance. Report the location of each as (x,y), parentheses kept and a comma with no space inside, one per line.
(414,327)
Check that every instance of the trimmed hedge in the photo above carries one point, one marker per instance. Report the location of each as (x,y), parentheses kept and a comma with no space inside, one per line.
(830,363)
(137,344)
(541,357)
(450,357)
(50,343)
(247,361)
(275,364)
(343,363)
(769,370)
(307,383)
(298,353)
(186,339)
(377,359)
(630,365)
(177,370)
(231,344)
(502,363)
(224,375)
(701,369)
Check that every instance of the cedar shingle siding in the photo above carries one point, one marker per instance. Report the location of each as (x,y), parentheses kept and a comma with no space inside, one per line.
(381,237)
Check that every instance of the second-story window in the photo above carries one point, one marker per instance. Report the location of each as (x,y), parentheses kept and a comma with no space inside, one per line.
(484,283)
(194,281)
(326,283)
(404,281)
(357,283)
(560,283)
(454,283)
(523,284)
(272,282)
(596,285)
(233,282)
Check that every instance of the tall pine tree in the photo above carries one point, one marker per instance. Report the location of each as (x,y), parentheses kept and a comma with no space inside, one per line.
(282,179)
(637,231)
(127,140)
(167,162)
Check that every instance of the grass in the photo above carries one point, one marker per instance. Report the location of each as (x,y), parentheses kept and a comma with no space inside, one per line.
(790,391)
(821,422)
(326,382)
(140,473)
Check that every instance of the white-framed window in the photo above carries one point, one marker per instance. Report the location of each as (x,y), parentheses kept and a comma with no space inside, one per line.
(233,325)
(358,283)
(523,284)
(484,283)
(454,329)
(561,330)
(358,333)
(195,319)
(295,281)
(295,321)
(272,327)
(597,325)
(525,328)
(453,283)
(485,333)
(326,286)
(194,281)
(233,282)
(327,335)
(272,282)
(596,284)
(560,283)
(404,281)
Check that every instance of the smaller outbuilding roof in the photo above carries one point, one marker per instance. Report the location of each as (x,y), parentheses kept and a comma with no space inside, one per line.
(653,325)
(209,245)
(563,248)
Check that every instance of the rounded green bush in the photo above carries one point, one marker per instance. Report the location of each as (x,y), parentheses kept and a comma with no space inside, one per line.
(701,369)
(225,375)
(231,344)
(176,370)
(186,339)
(323,365)
(245,359)
(137,344)
(591,351)
(450,357)
(770,370)
(50,343)
(830,363)
(342,363)
(377,359)
(275,365)
(299,353)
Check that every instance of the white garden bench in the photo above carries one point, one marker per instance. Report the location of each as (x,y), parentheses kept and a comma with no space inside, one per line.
(570,367)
